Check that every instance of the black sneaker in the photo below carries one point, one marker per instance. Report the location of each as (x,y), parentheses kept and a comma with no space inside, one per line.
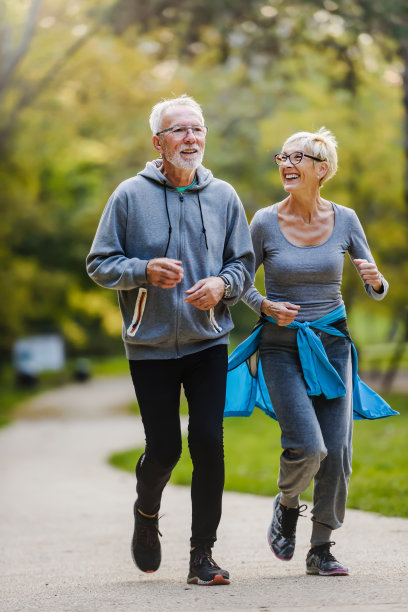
(146,549)
(320,561)
(203,568)
(282,530)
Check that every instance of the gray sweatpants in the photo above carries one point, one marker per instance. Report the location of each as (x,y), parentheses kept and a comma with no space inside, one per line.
(316,432)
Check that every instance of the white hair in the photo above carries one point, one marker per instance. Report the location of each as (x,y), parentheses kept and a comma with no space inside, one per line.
(321,144)
(159,108)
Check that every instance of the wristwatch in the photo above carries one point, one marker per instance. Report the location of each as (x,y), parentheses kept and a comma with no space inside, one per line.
(227,288)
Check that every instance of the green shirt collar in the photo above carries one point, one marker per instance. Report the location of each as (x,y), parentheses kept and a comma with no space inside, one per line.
(181,189)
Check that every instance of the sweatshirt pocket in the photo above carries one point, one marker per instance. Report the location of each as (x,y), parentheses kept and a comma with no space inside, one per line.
(138,312)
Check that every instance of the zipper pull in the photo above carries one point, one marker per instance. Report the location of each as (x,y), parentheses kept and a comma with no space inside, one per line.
(181,198)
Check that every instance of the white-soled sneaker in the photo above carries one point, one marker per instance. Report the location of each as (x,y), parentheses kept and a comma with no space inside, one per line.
(321,562)
(204,570)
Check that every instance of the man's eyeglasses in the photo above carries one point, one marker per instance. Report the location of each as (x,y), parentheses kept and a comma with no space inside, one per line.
(180,131)
(294,158)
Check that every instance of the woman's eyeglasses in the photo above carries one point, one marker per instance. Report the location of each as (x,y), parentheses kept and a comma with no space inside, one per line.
(294,158)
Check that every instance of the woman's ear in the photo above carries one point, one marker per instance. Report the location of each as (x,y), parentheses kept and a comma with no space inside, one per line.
(322,170)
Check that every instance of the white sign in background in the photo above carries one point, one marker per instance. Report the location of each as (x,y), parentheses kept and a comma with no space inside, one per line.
(39,353)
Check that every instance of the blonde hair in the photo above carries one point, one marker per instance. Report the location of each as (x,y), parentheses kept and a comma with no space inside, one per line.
(159,108)
(321,144)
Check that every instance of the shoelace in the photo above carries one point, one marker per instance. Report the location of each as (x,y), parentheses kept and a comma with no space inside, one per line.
(324,551)
(149,527)
(289,519)
(204,555)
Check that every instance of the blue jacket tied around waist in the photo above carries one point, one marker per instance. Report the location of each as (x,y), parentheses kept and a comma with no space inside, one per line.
(246,387)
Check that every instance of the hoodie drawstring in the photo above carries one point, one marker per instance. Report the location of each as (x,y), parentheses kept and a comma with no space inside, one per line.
(168,218)
(202,221)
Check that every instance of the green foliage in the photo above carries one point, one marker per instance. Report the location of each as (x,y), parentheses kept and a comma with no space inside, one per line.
(380,466)
(74,123)
(252,450)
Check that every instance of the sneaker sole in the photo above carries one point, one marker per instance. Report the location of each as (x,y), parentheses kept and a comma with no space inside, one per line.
(218,579)
(317,572)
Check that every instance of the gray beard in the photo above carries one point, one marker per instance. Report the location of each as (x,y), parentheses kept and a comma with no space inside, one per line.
(184,164)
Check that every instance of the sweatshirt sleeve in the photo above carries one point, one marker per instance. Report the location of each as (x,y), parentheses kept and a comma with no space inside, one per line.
(359,249)
(253,298)
(238,257)
(107,263)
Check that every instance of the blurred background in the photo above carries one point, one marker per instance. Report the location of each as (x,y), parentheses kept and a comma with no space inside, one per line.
(78,79)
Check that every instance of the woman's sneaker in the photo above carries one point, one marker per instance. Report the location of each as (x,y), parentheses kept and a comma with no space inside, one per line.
(320,561)
(146,549)
(282,530)
(203,568)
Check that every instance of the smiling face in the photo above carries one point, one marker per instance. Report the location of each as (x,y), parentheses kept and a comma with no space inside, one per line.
(186,151)
(305,175)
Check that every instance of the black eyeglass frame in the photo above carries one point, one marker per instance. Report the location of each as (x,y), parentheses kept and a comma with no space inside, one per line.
(295,153)
(185,127)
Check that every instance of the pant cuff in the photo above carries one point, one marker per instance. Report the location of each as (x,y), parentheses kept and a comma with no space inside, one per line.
(321,534)
(289,502)
(196,542)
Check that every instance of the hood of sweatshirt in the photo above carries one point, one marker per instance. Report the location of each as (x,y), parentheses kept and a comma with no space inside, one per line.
(152,172)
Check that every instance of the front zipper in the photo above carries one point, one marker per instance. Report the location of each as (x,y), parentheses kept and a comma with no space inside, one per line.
(179,255)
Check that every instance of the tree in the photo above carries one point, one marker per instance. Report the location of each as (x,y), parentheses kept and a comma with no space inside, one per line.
(12,55)
(75,124)
(385,24)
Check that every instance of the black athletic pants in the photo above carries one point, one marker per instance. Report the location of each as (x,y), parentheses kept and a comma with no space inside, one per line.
(157,384)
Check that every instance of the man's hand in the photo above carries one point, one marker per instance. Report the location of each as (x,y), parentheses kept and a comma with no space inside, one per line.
(164,272)
(206,293)
(369,273)
(284,313)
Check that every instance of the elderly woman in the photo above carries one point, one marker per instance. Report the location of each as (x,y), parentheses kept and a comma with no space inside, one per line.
(305,350)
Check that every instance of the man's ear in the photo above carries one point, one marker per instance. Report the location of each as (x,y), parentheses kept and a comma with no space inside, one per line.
(157,144)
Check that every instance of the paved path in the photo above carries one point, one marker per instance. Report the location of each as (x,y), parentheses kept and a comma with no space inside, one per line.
(65,528)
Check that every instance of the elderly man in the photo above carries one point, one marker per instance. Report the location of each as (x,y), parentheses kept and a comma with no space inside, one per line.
(174,242)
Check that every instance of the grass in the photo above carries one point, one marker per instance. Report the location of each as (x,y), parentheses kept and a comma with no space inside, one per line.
(252,448)
(377,357)
(110,366)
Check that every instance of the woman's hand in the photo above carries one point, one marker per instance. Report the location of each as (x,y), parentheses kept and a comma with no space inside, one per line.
(283,312)
(369,273)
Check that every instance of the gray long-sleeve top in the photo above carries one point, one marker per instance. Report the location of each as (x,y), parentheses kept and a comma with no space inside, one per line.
(308,276)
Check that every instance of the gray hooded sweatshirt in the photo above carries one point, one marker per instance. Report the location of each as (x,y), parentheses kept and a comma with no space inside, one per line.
(204,227)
